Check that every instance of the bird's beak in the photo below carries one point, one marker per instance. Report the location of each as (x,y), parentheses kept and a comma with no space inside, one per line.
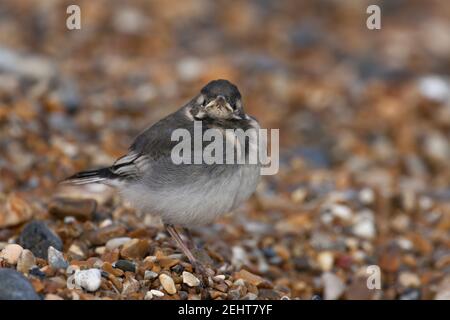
(222,102)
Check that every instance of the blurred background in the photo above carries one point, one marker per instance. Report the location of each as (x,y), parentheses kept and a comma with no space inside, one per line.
(364,119)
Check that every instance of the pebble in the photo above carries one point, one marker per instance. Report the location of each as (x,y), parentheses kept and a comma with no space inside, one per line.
(250,296)
(249,277)
(409,279)
(135,249)
(11,253)
(102,235)
(51,296)
(443,290)
(364,227)
(90,279)
(38,237)
(190,279)
(157,293)
(219,278)
(81,209)
(410,294)
(15,211)
(130,285)
(125,265)
(434,87)
(56,259)
(325,259)
(14,286)
(26,261)
(333,286)
(342,212)
(167,283)
(148,295)
(116,242)
(76,251)
(239,257)
(366,196)
(150,275)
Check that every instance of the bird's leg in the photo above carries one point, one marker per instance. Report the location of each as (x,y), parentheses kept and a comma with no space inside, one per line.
(195,263)
(190,239)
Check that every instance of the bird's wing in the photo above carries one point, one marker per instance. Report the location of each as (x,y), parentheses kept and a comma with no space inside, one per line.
(151,145)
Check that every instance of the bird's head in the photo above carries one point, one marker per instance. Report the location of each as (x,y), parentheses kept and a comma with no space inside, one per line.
(219,99)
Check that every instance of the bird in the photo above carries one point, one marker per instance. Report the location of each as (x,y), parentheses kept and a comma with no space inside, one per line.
(185,195)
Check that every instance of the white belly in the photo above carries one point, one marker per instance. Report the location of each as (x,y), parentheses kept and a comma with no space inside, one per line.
(200,203)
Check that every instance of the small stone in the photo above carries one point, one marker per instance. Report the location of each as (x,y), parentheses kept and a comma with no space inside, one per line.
(51,296)
(135,249)
(125,265)
(38,237)
(14,212)
(250,296)
(178,268)
(364,228)
(130,285)
(333,286)
(443,290)
(26,261)
(249,277)
(167,283)
(325,260)
(366,196)
(11,253)
(157,293)
(90,279)
(81,209)
(410,294)
(167,263)
(434,87)
(116,242)
(342,212)
(219,278)
(14,286)
(239,256)
(183,295)
(110,269)
(190,279)
(76,251)
(56,259)
(234,294)
(409,279)
(148,295)
(150,275)
(102,235)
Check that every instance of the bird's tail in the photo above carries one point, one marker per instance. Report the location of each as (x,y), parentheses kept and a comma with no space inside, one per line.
(91,176)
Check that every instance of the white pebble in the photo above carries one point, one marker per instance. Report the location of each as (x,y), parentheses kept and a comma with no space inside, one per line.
(116,243)
(148,296)
(89,280)
(190,279)
(364,228)
(11,253)
(156,293)
(435,88)
(325,260)
(366,196)
(333,286)
(409,279)
(342,212)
